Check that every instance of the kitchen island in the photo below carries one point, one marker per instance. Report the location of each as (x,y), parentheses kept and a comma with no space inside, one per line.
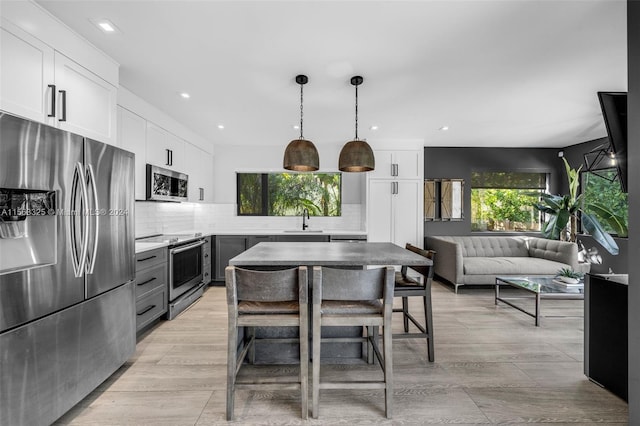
(276,255)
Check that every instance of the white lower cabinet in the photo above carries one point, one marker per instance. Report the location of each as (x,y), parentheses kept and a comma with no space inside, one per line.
(394,211)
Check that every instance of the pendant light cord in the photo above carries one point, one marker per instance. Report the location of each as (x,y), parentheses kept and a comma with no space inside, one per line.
(301,112)
(356,112)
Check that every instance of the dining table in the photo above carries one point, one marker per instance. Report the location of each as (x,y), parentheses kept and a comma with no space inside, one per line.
(351,255)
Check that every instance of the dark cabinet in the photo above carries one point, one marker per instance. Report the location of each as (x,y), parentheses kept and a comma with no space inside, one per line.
(295,238)
(605,331)
(227,247)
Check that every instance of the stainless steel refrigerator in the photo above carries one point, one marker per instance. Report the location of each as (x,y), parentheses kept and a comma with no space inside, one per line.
(67,318)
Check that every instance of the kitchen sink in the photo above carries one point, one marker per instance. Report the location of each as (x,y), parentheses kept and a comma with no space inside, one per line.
(306,231)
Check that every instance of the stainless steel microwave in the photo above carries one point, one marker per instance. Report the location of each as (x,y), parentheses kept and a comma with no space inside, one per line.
(166,185)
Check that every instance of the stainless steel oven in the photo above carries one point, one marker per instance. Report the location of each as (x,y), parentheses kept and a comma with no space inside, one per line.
(185,267)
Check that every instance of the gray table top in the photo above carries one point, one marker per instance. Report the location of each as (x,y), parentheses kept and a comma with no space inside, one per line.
(327,254)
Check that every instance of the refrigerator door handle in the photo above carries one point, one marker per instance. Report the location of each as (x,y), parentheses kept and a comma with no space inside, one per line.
(79,261)
(96,215)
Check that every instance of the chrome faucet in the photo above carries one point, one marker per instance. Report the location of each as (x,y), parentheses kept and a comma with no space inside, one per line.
(305,216)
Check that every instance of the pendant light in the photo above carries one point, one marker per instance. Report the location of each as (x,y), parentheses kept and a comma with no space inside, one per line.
(301,155)
(356,155)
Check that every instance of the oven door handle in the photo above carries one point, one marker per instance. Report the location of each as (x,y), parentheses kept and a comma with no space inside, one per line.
(187,247)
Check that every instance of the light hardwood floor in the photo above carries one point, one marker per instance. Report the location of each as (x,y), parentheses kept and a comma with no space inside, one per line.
(493,366)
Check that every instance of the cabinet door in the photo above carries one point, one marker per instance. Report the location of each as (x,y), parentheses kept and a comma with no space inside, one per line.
(193,155)
(132,134)
(206,175)
(227,247)
(384,164)
(89,106)
(409,164)
(26,70)
(164,149)
(407,214)
(380,211)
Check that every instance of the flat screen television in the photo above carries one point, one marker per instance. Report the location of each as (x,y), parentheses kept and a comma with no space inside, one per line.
(614,111)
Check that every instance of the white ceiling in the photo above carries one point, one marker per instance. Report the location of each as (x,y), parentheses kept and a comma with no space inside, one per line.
(498,73)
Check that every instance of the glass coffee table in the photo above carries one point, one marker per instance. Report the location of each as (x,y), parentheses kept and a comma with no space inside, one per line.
(542,287)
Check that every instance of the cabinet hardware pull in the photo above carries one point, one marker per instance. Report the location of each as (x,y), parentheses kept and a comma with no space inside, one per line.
(201,194)
(171,157)
(206,255)
(63,93)
(53,100)
(168,163)
(147,258)
(147,281)
(147,309)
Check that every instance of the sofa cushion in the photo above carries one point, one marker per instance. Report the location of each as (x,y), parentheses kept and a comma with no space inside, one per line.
(492,246)
(511,266)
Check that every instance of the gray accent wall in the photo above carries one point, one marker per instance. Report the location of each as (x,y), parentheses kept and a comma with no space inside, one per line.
(458,163)
(633,28)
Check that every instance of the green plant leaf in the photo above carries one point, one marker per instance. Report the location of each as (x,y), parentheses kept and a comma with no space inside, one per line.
(555,225)
(601,236)
(616,222)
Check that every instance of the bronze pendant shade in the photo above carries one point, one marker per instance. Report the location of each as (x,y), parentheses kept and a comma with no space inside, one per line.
(301,155)
(356,155)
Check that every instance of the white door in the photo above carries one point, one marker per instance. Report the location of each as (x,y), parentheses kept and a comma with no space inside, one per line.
(409,164)
(380,211)
(26,70)
(408,221)
(132,131)
(86,102)
(384,164)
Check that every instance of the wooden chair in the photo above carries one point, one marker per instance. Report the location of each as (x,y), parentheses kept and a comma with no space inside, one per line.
(406,286)
(353,298)
(266,299)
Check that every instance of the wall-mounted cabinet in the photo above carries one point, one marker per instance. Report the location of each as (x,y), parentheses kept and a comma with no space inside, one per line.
(444,199)
(398,164)
(132,136)
(200,171)
(41,84)
(165,149)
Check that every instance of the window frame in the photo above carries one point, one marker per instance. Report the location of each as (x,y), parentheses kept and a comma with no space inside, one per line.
(265,192)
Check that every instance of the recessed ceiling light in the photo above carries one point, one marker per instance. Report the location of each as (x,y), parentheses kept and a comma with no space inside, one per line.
(296,126)
(444,128)
(185,95)
(105,26)
(220,126)
(374,127)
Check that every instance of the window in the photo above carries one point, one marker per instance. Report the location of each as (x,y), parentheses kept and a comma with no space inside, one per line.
(603,188)
(503,201)
(287,194)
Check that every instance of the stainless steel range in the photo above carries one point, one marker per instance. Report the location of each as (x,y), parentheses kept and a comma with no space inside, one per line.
(186,282)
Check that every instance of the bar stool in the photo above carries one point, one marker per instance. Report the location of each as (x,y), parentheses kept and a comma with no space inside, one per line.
(406,286)
(352,298)
(266,299)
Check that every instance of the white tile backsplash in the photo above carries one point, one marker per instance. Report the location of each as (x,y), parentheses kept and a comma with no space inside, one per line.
(162,218)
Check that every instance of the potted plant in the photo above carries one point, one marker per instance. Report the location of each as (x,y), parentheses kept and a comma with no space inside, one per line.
(569,276)
(562,211)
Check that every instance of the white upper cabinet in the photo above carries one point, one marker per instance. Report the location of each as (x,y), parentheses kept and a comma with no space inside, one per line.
(41,84)
(200,174)
(26,70)
(132,136)
(165,149)
(86,103)
(398,164)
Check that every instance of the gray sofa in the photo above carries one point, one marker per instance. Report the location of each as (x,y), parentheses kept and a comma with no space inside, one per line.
(479,259)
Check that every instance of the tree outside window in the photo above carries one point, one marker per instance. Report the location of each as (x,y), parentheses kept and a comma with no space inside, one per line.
(601,187)
(287,194)
(503,201)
